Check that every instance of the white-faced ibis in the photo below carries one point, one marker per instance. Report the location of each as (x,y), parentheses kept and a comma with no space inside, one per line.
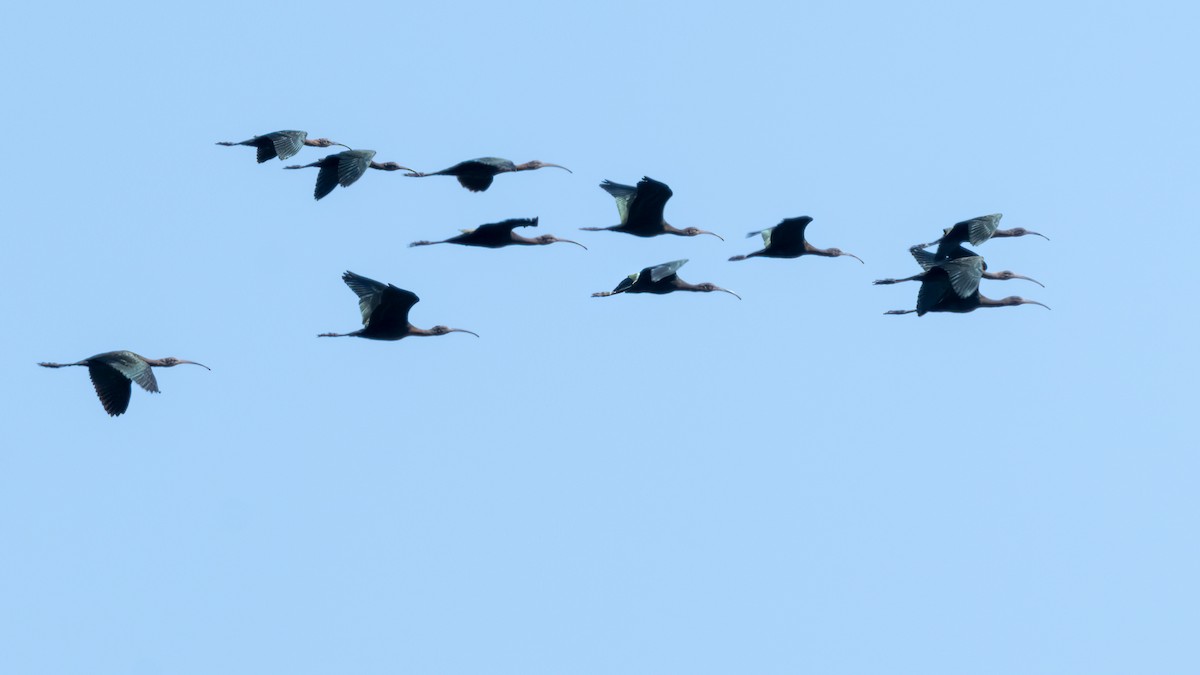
(498,235)
(953,286)
(661,279)
(641,210)
(282,144)
(343,168)
(476,174)
(964,265)
(976,231)
(786,240)
(112,373)
(385,311)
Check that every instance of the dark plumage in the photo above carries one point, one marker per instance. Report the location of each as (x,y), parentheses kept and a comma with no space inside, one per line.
(497,235)
(384,310)
(476,174)
(659,280)
(344,168)
(282,144)
(641,210)
(112,373)
(786,240)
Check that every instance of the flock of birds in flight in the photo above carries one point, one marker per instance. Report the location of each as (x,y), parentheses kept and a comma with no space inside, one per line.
(950,275)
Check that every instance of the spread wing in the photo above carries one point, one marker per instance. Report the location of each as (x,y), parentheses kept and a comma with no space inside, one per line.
(646,208)
(351,165)
(979,229)
(934,289)
(505,226)
(284,144)
(112,387)
(924,258)
(327,178)
(964,274)
(660,272)
(373,294)
(789,233)
(623,194)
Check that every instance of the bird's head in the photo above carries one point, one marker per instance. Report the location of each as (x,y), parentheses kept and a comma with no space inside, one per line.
(325,143)
(693,231)
(709,288)
(442,330)
(1018,300)
(535,164)
(172,361)
(550,239)
(1021,232)
(835,252)
(1007,276)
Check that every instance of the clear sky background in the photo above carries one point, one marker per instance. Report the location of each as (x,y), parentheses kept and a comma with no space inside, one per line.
(637,484)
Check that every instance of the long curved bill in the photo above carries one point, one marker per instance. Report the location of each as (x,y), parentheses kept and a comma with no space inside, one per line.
(1035,302)
(568,241)
(1038,234)
(713,234)
(463,330)
(854,256)
(195,364)
(559,166)
(344,146)
(1019,276)
(729,292)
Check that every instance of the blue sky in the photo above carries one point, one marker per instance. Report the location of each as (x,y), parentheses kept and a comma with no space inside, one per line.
(686,483)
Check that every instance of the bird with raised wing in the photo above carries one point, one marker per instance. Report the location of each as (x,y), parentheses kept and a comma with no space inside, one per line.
(384,310)
(786,240)
(976,231)
(953,286)
(282,144)
(499,235)
(660,280)
(344,168)
(962,265)
(641,210)
(113,373)
(476,174)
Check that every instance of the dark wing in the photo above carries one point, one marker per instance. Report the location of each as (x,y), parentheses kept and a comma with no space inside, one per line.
(934,289)
(112,387)
(475,182)
(369,292)
(660,272)
(327,178)
(788,234)
(924,258)
(950,249)
(646,208)
(392,313)
(629,281)
(978,230)
(504,226)
(284,143)
(476,174)
(964,274)
(352,164)
(623,194)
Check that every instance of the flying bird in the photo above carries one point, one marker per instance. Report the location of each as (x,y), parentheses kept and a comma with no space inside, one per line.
(476,174)
(498,235)
(344,168)
(385,311)
(641,210)
(953,286)
(112,373)
(976,231)
(786,240)
(660,280)
(962,265)
(282,144)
